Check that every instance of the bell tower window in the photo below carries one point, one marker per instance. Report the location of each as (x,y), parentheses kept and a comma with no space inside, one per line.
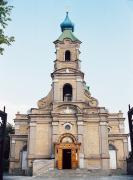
(67,55)
(67,92)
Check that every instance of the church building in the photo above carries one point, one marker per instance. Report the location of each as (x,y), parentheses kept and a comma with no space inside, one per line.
(68,129)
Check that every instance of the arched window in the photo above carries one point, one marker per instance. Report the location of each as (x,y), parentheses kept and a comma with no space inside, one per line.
(67,92)
(67,55)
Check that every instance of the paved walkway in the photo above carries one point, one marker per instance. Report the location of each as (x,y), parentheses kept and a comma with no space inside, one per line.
(69,178)
(74,175)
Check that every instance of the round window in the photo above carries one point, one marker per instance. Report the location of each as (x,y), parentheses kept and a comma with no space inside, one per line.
(67,127)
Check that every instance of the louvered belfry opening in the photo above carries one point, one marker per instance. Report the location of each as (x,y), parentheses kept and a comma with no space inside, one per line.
(67,92)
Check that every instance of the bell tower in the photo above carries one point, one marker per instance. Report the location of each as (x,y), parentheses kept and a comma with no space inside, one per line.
(67,76)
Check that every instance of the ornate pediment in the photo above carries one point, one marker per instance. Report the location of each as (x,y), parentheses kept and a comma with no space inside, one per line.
(68,109)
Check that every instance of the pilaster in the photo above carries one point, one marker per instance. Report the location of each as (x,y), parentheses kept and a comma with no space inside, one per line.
(54,137)
(80,125)
(32,141)
(104,149)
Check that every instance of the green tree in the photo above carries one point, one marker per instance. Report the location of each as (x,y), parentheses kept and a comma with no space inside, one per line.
(5,11)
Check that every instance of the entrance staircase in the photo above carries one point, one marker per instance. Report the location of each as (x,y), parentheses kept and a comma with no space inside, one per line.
(80,173)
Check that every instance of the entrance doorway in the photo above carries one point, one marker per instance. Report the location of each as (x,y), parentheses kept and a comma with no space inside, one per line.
(67,152)
(112,154)
(67,159)
(113,157)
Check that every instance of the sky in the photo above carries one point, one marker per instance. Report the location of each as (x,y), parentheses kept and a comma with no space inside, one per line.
(105,28)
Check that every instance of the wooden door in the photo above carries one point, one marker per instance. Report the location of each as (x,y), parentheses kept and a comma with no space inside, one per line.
(74,155)
(59,161)
(74,159)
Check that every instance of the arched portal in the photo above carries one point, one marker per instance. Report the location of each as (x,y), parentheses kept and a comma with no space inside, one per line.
(113,158)
(67,92)
(67,152)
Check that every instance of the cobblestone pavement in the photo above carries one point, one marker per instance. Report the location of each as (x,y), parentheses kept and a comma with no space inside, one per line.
(75,175)
(68,178)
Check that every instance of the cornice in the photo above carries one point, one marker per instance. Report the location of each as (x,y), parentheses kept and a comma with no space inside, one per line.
(118,135)
(20,137)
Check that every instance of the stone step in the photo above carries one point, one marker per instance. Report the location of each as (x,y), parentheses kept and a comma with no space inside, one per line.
(41,167)
(81,173)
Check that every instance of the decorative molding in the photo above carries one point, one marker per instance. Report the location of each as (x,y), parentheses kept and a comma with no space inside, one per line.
(80,123)
(32,124)
(67,70)
(55,123)
(68,110)
(103,123)
(118,135)
(79,80)
(17,126)
(125,140)
(55,80)
(21,123)
(13,141)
